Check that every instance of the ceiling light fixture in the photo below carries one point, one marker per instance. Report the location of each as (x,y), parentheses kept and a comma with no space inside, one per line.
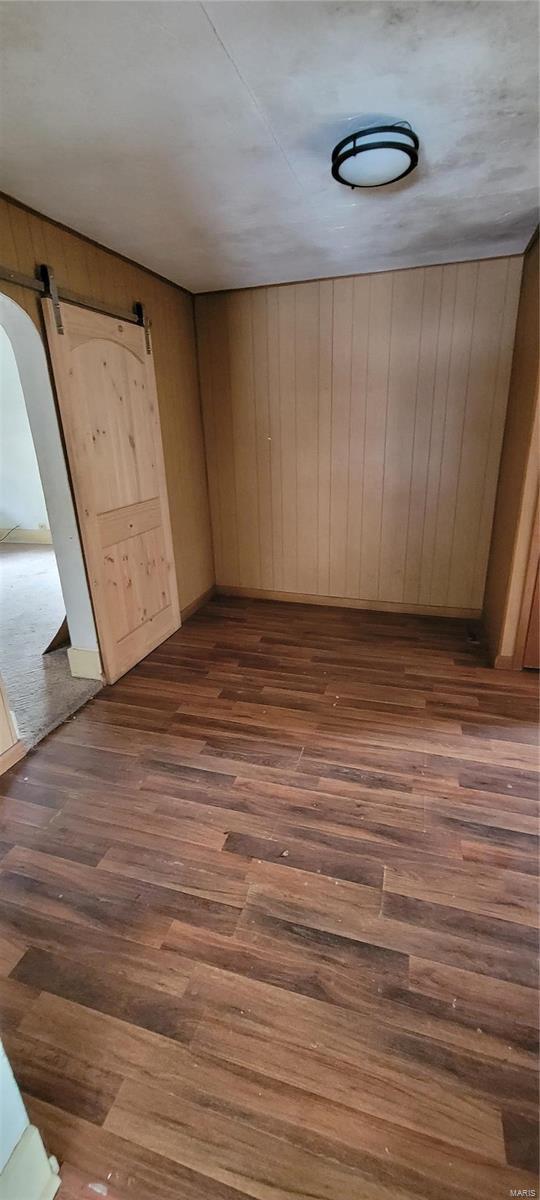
(376,155)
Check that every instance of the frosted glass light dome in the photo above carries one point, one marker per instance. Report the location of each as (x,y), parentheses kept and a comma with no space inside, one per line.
(375,156)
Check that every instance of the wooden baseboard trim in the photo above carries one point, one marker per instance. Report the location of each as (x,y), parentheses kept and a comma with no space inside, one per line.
(187,612)
(26,537)
(505,662)
(12,756)
(421,610)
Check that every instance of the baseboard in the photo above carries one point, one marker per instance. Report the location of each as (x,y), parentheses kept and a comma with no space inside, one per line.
(40,537)
(421,610)
(187,612)
(28,1172)
(84,664)
(11,756)
(505,662)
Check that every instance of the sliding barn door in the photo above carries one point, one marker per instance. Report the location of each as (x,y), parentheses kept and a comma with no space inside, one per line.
(108,405)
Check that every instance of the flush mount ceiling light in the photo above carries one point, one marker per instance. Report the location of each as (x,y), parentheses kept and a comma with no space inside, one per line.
(376,155)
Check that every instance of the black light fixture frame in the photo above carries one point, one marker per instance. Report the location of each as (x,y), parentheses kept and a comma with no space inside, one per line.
(339,156)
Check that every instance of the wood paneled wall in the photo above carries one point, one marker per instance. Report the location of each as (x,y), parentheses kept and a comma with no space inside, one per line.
(353,426)
(517,492)
(27,240)
(353,432)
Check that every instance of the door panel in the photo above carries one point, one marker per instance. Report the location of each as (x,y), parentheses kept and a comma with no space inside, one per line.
(107,397)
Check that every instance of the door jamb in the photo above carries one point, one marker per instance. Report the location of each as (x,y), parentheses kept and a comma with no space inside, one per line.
(29,351)
(528,592)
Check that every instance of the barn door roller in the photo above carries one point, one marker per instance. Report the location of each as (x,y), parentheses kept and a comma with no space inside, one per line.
(44,283)
(48,283)
(144,321)
(47,275)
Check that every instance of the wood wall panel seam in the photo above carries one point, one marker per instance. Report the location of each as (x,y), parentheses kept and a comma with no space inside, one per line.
(349,461)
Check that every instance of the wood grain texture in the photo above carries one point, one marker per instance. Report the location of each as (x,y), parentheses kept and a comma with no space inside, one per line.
(266,916)
(517,492)
(27,240)
(106,390)
(353,431)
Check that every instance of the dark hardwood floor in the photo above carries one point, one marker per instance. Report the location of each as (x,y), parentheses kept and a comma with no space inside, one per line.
(267,917)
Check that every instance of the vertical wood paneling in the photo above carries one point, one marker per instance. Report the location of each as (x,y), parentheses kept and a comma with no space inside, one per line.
(27,240)
(423,421)
(437,424)
(461,346)
(357,425)
(380,328)
(213,332)
(259,333)
(287,420)
(323,350)
(383,398)
(244,437)
(340,433)
(274,416)
(399,440)
(513,539)
(307,302)
(500,397)
(479,400)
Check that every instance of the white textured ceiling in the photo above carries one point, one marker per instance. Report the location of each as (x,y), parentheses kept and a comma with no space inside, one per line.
(196,138)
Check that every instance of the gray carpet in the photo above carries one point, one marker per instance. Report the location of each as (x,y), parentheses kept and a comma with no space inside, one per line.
(40,688)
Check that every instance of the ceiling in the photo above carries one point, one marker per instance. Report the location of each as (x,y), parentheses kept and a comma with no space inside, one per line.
(196,138)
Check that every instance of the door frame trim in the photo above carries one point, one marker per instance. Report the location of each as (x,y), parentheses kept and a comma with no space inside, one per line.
(529,581)
(33,369)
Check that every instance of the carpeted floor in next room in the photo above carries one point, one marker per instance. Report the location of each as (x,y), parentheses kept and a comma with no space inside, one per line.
(40,688)
(267,912)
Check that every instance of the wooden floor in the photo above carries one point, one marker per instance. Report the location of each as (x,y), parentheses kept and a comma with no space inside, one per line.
(267,914)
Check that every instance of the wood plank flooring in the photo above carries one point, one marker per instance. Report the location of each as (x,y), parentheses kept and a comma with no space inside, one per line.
(267,917)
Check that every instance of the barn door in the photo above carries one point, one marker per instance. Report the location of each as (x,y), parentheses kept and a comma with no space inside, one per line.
(107,397)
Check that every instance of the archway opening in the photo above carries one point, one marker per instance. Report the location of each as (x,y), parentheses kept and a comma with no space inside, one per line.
(49,658)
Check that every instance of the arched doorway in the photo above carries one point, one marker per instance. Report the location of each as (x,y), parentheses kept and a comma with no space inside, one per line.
(42,689)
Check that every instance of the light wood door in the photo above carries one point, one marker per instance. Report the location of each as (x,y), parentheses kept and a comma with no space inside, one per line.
(108,405)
